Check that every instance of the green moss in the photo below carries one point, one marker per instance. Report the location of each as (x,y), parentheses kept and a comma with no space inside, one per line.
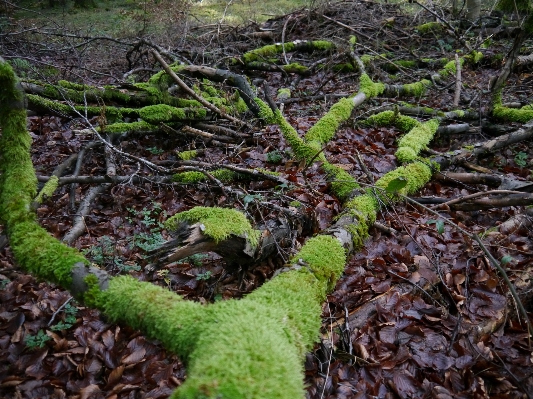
(74,86)
(417,174)
(264,111)
(265,52)
(302,150)
(186,103)
(522,115)
(342,183)
(417,89)
(364,209)
(413,142)
(186,155)
(387,118)
(296,68)
(188,177)
(430,27)
(219,223)
(92,297)
(367,86)
(327,126)
(130,127)
(161,314)
(352,40)
(112,114)
(344,67)
(48,189)
(156,114)
(450,69)
(474,57)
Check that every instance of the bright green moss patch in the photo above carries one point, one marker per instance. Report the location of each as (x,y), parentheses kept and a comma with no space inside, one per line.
(327,126)
(417,89)
(161,314)
(326,258)
(450,69)
(417,174)
(413,142)
(244,353)
(367,86)
(387,118)
(186,155)
(296,68)
(219,223)
(162,113)
(48,189)
(522,115)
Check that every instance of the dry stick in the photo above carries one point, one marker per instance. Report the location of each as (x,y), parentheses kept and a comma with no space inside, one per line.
(236,169)
(458,82)
(59,310)
(496,264)
(283,39)
(192,93)
(475,195)
(78,227)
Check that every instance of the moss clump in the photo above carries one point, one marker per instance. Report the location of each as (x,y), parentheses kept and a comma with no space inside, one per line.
(387,118)
(161,314)
(265,52)
(191,177)
(418,138)
(367,86)
(131,127)
(450,69)
(156,114)
(417,89)
(296,68)
(342,183)
(163,113)
(416,174)
(522,115)
(48,189)
(264,111)
(238,354)
(430,27)
(187,155)
(219,223)
(364,209)
(327,126)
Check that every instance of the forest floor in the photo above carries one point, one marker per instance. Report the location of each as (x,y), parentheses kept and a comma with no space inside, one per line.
(420,344)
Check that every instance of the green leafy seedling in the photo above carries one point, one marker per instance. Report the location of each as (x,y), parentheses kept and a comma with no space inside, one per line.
(439,224)
(38,340)
(521,159)
(506,259)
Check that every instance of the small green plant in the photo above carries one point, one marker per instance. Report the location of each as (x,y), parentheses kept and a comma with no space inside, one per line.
(521,159)
(195,260)
(204,276)
(104,255)
(274,157)
(147,241)
(38,340)
(4,283)
(155,150)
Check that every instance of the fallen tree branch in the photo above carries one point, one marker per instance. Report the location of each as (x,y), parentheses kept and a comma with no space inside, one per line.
(193,94)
